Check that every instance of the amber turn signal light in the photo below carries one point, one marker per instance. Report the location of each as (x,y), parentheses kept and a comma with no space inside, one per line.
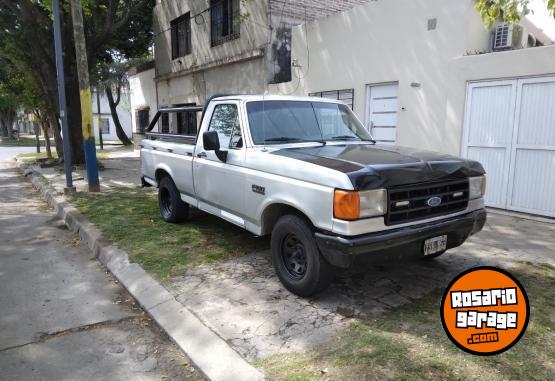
(346,205)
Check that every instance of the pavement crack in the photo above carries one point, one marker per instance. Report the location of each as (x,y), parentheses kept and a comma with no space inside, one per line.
(41,337)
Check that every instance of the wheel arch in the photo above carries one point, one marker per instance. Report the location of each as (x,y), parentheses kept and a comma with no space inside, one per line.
(161,172)
(274,211)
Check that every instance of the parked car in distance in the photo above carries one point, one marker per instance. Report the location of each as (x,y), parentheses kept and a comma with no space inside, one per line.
(306,171)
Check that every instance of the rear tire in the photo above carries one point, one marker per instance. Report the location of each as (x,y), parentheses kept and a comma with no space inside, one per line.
(297,261)
(172,208)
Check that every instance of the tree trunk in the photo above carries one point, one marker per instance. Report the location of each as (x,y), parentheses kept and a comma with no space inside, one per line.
(55,127)
(8,123)
(3,128)
(37,136)
(44,125)
(119,129)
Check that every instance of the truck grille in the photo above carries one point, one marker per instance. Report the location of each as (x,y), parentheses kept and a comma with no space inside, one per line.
(412,203)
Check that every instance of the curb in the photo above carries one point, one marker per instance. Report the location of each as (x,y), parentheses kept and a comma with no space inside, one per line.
(211,355)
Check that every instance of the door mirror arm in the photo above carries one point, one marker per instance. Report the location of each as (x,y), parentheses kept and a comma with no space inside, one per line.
(222,155)
(211,142)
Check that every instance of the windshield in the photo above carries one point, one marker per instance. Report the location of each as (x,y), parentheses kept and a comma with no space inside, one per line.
(279,122)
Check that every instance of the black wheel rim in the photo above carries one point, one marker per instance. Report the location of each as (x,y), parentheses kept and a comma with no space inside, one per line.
(165,202)
(293,254)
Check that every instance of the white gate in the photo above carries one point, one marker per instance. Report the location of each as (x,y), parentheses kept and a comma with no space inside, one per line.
(510,128)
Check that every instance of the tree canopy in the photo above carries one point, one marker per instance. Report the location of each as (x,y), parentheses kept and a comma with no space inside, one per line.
(509,10)
(112,28)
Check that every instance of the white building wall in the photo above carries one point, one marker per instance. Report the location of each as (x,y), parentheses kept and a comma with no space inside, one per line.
(124,115)
(142,91)
(247,77)
(389,41)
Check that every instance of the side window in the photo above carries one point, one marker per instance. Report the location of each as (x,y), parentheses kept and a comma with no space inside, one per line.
(225,121)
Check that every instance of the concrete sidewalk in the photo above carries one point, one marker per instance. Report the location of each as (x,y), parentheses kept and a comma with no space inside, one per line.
(121,169)
(209,352)
(62,316)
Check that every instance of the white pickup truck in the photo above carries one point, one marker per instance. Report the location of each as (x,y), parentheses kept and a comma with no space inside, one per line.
(306,171)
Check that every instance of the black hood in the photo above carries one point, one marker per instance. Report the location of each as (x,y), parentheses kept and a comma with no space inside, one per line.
(375,166)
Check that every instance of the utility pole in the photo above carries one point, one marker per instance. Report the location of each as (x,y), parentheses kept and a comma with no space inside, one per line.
(85,95)
(69,189)
(99,118)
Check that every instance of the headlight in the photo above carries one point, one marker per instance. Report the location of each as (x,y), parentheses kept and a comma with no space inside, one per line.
(352,205)
(476,187)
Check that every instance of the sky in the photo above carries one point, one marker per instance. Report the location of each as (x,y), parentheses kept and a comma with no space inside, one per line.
(541,17)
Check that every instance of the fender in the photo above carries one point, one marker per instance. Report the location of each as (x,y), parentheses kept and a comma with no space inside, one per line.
(166,168)
(281,201)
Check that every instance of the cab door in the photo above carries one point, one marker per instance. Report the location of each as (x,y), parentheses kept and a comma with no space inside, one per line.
(219,186)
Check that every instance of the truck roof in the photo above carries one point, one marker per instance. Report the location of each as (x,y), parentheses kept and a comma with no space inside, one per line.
(238,97)
(260,97)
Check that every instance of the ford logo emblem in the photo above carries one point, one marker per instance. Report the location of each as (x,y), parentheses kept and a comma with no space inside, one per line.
(433,201)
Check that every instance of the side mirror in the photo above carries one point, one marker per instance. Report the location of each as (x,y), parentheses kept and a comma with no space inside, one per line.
(211,141)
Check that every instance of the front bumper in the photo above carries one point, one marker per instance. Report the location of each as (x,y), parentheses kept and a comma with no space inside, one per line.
(342,251)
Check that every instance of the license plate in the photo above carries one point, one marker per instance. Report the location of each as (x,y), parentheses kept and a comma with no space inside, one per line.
(435,245)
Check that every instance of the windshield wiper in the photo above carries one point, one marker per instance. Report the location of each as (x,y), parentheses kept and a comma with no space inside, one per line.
(351,137)
(286,139)
(345,137)
(282,139)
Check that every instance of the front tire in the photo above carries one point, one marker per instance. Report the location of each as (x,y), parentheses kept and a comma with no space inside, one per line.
(297,261)
(172,208)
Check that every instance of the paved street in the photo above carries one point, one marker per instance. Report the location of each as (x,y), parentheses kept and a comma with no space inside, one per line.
(61,315)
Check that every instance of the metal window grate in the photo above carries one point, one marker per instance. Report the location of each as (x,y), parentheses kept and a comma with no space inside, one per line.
(186,121)
(165,124)
(142,120)
(345,95)
(410,203)
(225,16)
(181,35)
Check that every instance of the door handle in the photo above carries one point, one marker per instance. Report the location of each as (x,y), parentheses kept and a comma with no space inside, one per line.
(201,154)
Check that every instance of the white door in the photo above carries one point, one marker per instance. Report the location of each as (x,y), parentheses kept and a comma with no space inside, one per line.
(510,128)
(532,172)
(381,115)
(488,133)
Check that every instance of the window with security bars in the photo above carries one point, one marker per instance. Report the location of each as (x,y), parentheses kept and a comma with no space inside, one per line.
(142,120)
(105,126)
(181,36)
(346,95)
(224,21)
(165,121)
(186,121)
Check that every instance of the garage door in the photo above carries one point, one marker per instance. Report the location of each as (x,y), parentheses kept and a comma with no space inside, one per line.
(510,129)
(381,117)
